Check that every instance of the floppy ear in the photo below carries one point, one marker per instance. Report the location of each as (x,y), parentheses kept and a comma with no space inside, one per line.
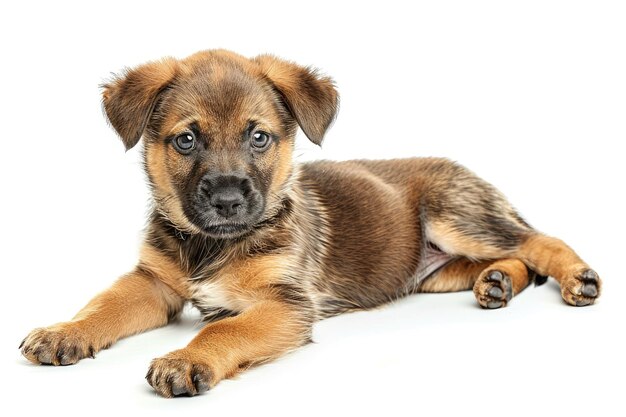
(311,98)
(130,98)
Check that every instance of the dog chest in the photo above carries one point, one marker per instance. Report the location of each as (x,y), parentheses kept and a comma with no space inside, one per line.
(214,300)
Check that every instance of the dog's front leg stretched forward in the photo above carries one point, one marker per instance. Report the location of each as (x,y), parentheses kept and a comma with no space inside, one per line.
(136,302)
(264,331)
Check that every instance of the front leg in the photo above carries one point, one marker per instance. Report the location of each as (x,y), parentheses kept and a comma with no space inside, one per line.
(263,332)
(136,302)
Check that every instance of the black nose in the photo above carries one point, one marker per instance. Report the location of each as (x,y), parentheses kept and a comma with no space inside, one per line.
(227,201)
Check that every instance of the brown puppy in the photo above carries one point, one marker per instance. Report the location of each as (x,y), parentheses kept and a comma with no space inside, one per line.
(264,247)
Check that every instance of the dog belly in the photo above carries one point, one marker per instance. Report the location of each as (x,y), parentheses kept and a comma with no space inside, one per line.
(433,260)
(344,293)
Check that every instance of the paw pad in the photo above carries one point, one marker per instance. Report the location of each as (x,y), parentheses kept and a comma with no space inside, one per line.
(178,377)
(494,290)
(583,289)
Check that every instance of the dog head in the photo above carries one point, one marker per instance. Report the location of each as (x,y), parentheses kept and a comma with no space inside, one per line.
(219,133)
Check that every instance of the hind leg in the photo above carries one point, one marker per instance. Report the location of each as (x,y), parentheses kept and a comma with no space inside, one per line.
(466,216)
(459,275)
(494,283)
(547,256)
(580,285)
(499,282)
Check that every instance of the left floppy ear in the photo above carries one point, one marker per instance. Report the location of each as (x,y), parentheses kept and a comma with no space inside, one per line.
(311,98)
(130,98)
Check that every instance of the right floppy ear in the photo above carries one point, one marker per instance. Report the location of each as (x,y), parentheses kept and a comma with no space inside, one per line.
(310,97)
(130,98)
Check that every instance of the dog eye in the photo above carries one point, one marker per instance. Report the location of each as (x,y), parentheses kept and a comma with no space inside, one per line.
(184,143)
(260,140)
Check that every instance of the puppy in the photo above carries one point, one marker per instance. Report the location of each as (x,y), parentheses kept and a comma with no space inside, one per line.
(264,247)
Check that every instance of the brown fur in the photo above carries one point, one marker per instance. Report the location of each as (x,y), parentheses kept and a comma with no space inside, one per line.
(331,236)
(549,256)
(460,275)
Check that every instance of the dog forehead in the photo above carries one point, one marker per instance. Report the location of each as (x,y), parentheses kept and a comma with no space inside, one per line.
(219,92)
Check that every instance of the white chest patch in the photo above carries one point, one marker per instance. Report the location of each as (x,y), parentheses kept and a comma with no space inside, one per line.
(212,296)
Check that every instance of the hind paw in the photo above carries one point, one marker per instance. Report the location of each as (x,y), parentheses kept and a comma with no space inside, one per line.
(493,289)
(582,289)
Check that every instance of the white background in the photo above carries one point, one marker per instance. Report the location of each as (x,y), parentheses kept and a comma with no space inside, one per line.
(529,94)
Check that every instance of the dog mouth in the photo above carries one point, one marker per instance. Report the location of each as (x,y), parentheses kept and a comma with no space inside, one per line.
(226,230)
(217,228)
(234,224)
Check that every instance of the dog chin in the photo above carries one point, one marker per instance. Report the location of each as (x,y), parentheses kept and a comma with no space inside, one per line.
(226,231)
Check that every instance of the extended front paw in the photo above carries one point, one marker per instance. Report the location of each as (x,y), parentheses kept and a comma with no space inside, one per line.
(177,374)
(61,344)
